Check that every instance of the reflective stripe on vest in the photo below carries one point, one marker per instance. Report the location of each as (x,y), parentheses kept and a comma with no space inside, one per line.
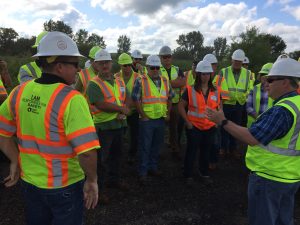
(196,107)
(173,75)
(238,89)
(32,70)
(54,149)
(85,77)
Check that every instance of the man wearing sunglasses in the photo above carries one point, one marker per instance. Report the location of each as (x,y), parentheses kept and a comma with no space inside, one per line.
(177,80)
(56,136)
(152,95)
(273,154)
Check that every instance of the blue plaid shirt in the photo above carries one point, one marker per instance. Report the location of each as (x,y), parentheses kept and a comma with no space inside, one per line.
(250,106)
(274,124)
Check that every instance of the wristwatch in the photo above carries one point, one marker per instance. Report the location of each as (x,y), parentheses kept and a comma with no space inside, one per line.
(223,123)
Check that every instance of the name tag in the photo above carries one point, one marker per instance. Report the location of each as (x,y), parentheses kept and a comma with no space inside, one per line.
(122,89)
(163,93)
(214,98)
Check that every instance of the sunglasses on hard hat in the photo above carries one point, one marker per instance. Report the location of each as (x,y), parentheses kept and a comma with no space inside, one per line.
(166,56)
(272,79)
(75,64)
(154,67)
(126,65)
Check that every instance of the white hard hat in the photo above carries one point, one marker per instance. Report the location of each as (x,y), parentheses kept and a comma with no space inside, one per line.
(211,58)
(102,55)
(87,64)
(137,54)
(153,60)
(285,67)
(246,60)
(238,55)
(282,56)
(204,67)
(57,44)
(165,50)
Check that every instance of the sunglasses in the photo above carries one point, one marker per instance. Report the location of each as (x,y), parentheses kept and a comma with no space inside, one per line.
(136,59)
(75,64)
(126,65)
(166,56)
(154,67)
(271,80)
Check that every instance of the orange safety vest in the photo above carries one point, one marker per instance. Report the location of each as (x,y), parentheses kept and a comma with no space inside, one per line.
(197,105)
(85,77)
(110,97)
(55,155)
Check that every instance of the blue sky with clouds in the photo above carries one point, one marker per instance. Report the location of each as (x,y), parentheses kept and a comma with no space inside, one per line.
(153,23)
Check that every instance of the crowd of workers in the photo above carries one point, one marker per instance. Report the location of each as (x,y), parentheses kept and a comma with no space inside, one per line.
(61,115)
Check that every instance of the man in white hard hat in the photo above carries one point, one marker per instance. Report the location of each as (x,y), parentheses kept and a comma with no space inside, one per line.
(273,154)
(137,58)
(152,95)
(86,74)
(177,80)
(246,66)
(31,70)
(57,139)
(109,106)
(238,82)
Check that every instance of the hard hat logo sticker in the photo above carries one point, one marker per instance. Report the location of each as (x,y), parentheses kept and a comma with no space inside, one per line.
(62,45)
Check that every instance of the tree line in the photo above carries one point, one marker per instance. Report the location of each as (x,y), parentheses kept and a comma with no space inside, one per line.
(259,47)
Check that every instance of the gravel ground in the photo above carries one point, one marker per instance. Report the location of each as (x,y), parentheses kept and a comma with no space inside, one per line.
(166,200)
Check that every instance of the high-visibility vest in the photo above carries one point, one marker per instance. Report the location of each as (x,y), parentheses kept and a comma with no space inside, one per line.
(130,83)
(115,94)
(220,83)
(280,159)
(252,80)
(189,80)
(173,75)
(154,100)
(85,75)
(256,103)
(239,91)
(48,149)
(30,69)
(197,106)
(2,88)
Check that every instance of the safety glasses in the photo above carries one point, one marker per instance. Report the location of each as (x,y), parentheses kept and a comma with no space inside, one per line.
(154,67)
(272,79)
(75,64)
(166,56)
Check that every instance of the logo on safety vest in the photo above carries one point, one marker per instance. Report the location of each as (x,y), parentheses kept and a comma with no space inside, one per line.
(214,98)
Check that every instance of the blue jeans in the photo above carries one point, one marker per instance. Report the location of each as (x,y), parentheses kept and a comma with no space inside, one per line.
(270,202)
(62,206)
(151,140)
(198,140)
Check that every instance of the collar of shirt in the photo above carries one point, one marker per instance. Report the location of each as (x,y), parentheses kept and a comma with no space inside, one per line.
(48,78)
(290,94)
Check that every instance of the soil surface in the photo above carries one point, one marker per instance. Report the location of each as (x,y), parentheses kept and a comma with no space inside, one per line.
(167,200)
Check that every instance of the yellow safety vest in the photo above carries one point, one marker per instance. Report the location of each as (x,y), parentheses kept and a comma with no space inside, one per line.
(154,100)
(29,71)
(280,159)
(174,75)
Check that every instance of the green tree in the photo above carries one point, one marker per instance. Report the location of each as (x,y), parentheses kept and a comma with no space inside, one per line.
(81,36)
(220,48)
(277,44)
(295,55)
(23,46)
(95,39)
(8,37)
(191,42)
(124,44)
(58,26)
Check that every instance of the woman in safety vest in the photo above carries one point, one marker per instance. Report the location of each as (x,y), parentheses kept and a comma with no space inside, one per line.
(200,131)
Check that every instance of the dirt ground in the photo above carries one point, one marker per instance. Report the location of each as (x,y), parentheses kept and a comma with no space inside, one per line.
(165,201)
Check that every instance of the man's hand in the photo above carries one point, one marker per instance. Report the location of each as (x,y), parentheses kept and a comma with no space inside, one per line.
(125,110)
(90,194)
(189,125)
(214,115)
(14,174)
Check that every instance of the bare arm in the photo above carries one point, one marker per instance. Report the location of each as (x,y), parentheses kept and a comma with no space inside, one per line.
(178,82)
(109,107)
(9,148)
(88,163)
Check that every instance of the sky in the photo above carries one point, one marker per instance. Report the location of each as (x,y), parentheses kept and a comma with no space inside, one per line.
(150,24)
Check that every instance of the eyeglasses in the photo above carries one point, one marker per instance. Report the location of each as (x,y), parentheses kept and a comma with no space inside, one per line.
(271,80)
(154,67)
(126,65)
(137,59)
(75,64)
(166,56)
